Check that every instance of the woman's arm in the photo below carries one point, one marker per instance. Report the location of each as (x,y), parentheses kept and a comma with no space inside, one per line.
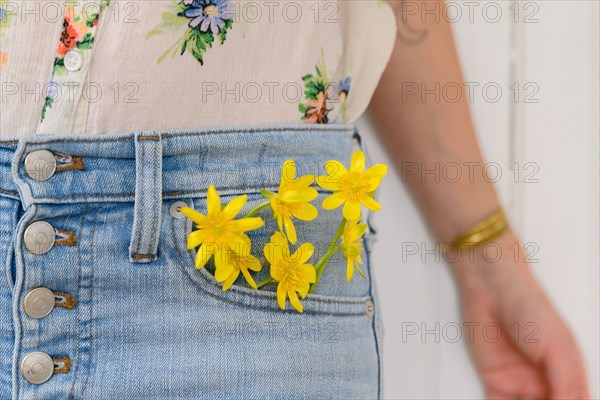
(424,134)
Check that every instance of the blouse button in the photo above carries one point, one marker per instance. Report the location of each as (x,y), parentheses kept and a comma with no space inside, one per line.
(73,60)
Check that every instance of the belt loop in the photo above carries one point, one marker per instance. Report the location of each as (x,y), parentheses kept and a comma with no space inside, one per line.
(362,146)
(147,209)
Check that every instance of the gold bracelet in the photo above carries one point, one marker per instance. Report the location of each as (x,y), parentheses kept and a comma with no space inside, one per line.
(489,228)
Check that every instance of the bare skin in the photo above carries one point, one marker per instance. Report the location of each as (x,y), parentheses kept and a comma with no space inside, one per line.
(521,365)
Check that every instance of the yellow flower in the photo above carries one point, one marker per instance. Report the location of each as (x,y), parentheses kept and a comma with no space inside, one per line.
(218,231)
(292,199)
(290,270)
(352,187)
(352,246)
(234,263)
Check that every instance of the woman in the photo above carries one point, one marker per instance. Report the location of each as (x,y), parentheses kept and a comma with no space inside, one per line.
(142,142)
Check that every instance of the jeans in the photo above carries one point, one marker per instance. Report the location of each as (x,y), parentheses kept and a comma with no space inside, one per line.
(130,317)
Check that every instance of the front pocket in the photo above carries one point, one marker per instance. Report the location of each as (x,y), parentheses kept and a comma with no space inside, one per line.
(333,294)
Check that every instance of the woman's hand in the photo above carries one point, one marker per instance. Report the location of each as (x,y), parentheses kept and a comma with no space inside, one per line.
(534,356)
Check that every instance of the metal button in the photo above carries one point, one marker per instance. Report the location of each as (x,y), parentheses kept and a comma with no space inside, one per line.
(73,60)
(175,213)
(39,237)
(40,165)
(369,308)
(37,367)
(39,302)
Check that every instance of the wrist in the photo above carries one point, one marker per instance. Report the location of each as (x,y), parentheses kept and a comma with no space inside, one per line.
(495,265)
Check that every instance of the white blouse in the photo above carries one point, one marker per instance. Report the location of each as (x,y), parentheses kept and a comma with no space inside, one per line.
(117,66)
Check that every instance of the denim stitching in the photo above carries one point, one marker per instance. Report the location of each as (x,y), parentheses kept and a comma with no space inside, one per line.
(7,192)
(244,188)
(155,207)
(78,359)
(140,178)
(92,237)
(208,132)
(374,320)
(266,308)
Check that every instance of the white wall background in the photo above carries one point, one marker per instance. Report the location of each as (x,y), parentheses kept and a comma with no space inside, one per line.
(549,50)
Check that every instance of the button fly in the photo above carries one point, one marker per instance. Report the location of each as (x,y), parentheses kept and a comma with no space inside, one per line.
(39,237)
(40,165)
(37,367)
(39,302)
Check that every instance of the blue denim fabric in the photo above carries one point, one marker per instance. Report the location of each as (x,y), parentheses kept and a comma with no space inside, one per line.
(147,324)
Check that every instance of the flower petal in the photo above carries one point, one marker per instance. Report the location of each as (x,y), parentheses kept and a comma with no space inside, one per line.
(351,210)
(248,224)
(223,272)
(304,181)
(376,170)
(251,263)
(308,194)
(309,273)
(303,288)
(204,254)
(238,243)
(302,195)
(231,279)
(359,271)
(193,215)
(335,168)
(356,231)
(234,206)
(223,265)
(372,184)
(349,270)
(294,300)
(281,294)
(327,182)
(304,252)
(274,250)
(249,278)
(213,201)
(288,173)
(195,238)
(306,212)
(290,230)
(370,203)
(357,163)
(333,201)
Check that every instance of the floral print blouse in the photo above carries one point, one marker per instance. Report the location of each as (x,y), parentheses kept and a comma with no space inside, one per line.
(117,66)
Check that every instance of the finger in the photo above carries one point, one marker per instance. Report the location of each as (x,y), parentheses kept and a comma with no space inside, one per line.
(566,373)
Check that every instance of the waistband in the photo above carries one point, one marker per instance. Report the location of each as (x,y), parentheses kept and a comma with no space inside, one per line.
(147,168)
(105,168)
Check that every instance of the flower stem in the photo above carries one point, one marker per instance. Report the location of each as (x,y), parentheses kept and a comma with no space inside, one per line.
(256,209)
(263,283)
(333,248)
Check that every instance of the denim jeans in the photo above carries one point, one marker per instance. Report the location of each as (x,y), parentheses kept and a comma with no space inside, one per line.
(130,315)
